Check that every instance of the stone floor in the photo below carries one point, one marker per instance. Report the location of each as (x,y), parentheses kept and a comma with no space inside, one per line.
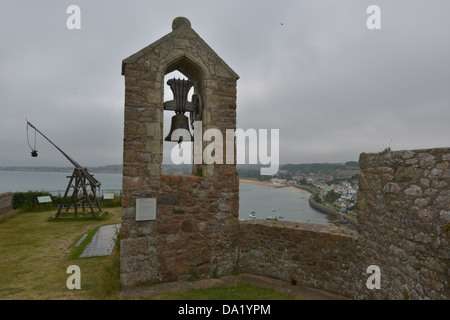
(102,243)
(300,291)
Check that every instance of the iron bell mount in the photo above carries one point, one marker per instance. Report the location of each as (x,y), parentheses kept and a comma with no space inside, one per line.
(180,89)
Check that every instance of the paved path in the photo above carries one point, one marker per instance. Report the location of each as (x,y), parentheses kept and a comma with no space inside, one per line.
(102,243)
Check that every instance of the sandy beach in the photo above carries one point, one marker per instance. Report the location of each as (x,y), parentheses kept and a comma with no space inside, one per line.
(260,183)
(268,184)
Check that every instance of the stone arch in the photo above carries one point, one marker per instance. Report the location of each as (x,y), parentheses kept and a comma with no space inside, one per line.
(187,65)
(196,73)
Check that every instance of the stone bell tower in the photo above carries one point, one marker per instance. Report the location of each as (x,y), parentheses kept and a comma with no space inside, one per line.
(174,226)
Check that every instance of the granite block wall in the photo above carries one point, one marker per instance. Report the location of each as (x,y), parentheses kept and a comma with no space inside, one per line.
(403,228)
(404,216)
(314,255)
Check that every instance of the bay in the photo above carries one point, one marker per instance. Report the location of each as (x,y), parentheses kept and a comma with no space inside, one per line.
(54,182)
(289,203)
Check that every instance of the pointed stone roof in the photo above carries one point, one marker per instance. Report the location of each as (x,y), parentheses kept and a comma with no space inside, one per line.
(181,34)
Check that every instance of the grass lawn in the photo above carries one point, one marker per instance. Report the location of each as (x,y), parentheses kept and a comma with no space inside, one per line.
(35,254)
(240,291)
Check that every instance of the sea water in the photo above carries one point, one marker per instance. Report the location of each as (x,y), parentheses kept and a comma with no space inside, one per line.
(23,181)
(266,201)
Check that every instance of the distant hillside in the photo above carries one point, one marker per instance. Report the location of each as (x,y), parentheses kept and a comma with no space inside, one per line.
(244,170)
(38,169)
(351,167)
(108,168)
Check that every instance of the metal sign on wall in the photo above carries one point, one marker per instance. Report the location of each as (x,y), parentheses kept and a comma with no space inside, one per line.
(145,209)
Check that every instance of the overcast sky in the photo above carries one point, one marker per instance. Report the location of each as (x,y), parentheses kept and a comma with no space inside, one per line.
(311,69)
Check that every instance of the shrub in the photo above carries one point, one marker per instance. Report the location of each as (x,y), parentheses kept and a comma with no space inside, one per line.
(27,201)
(112,203)
(193,275)
(317,198)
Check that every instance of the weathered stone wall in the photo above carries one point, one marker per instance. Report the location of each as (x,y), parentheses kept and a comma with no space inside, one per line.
(404,215)
(197,226)
(403,228)
(6,202)
(315,255)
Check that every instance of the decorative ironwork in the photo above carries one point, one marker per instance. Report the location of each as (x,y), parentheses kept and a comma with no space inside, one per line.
(180,89)
(180,104)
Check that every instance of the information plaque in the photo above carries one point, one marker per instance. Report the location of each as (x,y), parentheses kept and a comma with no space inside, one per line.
(108,195)
(145,209)
(44,199)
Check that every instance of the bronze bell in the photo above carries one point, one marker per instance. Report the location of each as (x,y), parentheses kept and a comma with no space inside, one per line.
(179,121)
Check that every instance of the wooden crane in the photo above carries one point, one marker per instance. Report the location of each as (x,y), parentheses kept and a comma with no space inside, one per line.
(78,184)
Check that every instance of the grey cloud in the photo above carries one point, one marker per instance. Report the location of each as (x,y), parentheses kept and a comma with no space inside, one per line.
(309,68)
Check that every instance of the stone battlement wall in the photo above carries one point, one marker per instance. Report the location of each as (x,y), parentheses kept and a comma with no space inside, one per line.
(6,202)
(315,255)
(404,215)
(403,228)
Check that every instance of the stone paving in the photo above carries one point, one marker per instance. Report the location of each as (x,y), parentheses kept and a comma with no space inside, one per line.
(102,243)
(81,240)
